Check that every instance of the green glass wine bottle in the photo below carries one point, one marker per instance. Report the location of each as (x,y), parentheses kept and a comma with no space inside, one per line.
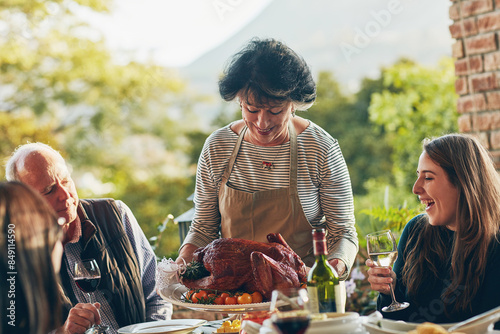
(322,280)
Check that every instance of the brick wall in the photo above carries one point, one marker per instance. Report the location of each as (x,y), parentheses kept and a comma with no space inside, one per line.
(476,30)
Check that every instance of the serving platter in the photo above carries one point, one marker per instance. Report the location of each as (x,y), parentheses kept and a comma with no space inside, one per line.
(174,294)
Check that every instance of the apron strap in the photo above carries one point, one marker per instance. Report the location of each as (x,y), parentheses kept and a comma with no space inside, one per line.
(232,159)
(293,157)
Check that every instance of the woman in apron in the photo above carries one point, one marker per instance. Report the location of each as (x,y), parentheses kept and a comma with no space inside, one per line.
(273,171)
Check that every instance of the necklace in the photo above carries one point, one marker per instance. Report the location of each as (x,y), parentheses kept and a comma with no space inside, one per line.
(269,165)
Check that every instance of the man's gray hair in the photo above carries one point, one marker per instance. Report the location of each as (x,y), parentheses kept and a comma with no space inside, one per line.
(20,154)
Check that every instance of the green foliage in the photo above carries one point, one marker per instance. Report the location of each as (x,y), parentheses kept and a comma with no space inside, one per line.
(15,129)
(393,218)
(416,102)
(156,240)
(382,197)
(365,149)
(116,124)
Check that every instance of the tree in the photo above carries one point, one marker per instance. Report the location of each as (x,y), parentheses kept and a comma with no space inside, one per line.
(116,124)
(416,102)
(346,118)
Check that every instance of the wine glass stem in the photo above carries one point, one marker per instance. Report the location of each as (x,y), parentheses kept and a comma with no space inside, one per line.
(90,297)
(392,294)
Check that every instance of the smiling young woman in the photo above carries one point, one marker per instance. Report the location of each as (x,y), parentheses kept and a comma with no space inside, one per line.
(437,193)
(449,258)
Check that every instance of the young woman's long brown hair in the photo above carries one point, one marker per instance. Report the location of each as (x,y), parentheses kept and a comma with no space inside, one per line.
(28,234)
(470,169)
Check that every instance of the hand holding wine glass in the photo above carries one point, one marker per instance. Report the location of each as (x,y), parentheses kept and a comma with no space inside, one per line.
(80,318)
(383,251)
(291,310)
(87,277)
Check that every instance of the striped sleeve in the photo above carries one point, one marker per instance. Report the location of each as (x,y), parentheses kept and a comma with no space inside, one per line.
(214,157)
(337,205)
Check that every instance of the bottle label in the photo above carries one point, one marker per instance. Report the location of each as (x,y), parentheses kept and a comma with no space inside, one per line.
(320,305)
(340,297)
(312,291)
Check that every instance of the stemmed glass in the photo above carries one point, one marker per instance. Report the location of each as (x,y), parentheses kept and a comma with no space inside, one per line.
(291,311)
(383,251)
(87,277)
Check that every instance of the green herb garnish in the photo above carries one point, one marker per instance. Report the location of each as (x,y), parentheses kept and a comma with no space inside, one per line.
(195,270)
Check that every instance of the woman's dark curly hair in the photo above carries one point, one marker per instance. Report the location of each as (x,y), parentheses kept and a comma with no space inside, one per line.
(271,72)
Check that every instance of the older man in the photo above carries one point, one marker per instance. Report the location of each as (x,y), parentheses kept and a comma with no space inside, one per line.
(103,229)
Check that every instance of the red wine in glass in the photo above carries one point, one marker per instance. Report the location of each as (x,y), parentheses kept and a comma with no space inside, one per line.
(87,277)
(297,324)
(88,284)
(291,310)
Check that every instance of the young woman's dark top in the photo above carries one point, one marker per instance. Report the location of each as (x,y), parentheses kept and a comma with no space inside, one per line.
(428,304)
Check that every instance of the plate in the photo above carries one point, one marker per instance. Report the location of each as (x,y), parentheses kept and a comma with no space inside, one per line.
(403,326)
(479,323)
(173,294)
(177,326)
(333,323)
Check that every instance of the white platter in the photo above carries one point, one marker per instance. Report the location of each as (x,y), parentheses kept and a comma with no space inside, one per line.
(174,294)
(174,326)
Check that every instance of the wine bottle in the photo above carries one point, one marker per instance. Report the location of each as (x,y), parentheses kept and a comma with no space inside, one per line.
(322,280)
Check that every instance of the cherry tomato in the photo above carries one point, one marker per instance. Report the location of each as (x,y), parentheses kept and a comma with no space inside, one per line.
(199,295)
(257,297)
(219,300)
(230,301)
(224,295)
(245,298)
(190,294)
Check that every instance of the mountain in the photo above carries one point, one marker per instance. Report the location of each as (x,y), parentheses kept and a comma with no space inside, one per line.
(352,39)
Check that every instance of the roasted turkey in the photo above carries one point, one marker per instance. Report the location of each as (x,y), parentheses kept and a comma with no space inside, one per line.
(249,265)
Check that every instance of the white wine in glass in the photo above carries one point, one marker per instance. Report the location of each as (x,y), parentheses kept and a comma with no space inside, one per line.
(384,259)
(382,250)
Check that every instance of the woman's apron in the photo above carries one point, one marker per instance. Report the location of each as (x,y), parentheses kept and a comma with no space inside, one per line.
(253,216)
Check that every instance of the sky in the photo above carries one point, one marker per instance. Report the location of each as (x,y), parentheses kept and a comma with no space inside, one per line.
(149,29)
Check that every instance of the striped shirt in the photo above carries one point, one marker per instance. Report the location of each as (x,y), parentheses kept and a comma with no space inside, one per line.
(324,185)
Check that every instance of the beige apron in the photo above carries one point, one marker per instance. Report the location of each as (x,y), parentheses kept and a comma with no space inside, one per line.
(253,216)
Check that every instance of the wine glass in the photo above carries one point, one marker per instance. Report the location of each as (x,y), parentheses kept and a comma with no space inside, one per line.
(291,312)
(383,250)
(87,277)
